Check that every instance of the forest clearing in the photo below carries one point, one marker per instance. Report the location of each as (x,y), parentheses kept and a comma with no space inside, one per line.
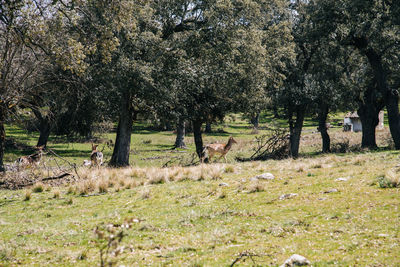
(334,209)
(199,132)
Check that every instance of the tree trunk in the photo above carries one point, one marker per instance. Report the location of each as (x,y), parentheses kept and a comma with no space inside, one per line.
(180,134)
(369,116)
(255,120)
(44,127)
(2,138)
(44,133)
(208,127)
(120,156)
(391,97)
(322,116)
(198,140)
(295,131)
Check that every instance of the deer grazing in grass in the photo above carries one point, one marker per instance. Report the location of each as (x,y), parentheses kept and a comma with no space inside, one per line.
(31,160)
(222,149)
(96,157)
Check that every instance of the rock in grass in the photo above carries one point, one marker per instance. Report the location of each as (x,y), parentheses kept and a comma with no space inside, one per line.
(341,179)
(265,176)
(223,184)
(296,260)
(331,191)
(287,196)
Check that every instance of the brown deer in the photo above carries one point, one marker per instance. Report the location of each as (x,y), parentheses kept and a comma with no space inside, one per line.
(222,149)
(96,157)
(33,159)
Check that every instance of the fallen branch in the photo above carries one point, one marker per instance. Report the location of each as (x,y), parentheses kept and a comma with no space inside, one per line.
(244,255)
(73,165)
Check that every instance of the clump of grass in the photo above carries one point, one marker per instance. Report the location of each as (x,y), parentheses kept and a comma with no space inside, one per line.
(156,177)
(145,194)
(256,187)
(56,194)
(38,188)
(216,173)
(71,190)
(86,187)
(390,180)
(102,186)
(70,201)
(28,195)
(229,169)
(148,141)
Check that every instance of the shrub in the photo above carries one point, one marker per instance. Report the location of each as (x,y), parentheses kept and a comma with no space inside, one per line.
(28,195)
(390,180)
(38,188)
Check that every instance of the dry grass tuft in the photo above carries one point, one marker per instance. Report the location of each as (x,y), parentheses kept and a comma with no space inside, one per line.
(102,185)
(56,194)
(28,195)
(145,194)
(38,188)
(390,180)
(256,187)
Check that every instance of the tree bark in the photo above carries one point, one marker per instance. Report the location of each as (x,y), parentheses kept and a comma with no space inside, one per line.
(198,139)
(391,97)
(369,116)
(295,128)
(120,156)
(44,128)
(322,116)
(208,127)
(2,138)
(255,120)
(180,134)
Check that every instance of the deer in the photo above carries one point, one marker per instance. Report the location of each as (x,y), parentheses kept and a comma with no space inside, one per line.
(222,149)
(96,157)
(33,159)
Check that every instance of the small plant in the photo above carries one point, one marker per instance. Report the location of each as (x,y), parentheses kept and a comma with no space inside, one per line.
(69,201)
(390,180)
(56,194)
(102,186)
(38,188)
(229,169)
(145,194)
(256,187)
(108,241)
(28,195)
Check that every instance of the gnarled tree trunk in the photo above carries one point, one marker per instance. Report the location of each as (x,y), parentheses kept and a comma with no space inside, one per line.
(255,120)
(391,97)
(198,139)
(322,116)
(44,127)
(295,128)
(369,116)
(180,134)
(208,127)
(120,156)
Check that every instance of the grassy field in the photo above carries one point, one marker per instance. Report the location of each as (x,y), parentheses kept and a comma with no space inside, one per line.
(340,212)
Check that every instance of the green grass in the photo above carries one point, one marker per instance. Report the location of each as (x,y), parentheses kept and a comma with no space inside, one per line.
(188,222)
(184,217)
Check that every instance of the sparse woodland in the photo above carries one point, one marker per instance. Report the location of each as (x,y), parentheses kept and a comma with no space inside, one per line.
(150,84)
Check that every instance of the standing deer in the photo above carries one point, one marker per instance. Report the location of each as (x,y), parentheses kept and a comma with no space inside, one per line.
(222,149)
(96,157)
(33,159)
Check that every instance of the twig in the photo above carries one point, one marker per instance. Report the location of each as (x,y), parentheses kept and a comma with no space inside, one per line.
(73,165)
(243,255)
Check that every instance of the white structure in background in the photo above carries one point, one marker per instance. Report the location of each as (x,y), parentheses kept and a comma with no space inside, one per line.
(352,122)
